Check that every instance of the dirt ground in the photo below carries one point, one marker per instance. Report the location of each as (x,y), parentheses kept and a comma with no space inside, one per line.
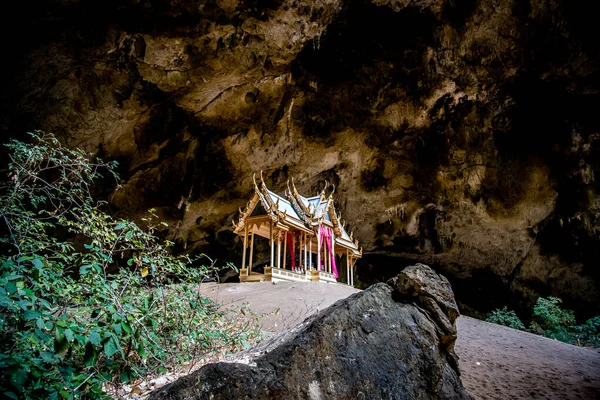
(495,362)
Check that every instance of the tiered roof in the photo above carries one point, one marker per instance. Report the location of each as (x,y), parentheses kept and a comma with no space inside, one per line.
(295,210)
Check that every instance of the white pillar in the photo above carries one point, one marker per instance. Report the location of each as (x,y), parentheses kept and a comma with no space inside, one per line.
(305,253)
(310,251)
(251,252)
(284,249)
(245,245)
(328,258)
(279,250)
(318,255)
(347,266)
(332,258)
(272,244)
(299,266)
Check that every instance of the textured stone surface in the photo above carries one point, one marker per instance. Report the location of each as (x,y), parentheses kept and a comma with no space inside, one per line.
(432,292)
(366,346)
(460,134)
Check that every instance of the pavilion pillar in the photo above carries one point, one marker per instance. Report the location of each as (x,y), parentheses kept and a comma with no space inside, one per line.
(310,252)
(284,249)
(305,254)
(251,252)
(325,265)
(279,250)
(272,244)
(299,266)
(318,268)
(324,256)
(332,258)
(245,246)
(328,259)
(347,266)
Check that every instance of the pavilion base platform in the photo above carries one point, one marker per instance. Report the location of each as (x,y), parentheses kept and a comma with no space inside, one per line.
(273,274)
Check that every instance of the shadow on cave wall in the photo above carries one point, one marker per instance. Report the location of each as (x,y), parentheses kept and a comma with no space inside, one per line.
(478,294)
(366,54)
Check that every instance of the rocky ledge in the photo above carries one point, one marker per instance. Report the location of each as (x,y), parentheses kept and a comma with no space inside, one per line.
(391,341)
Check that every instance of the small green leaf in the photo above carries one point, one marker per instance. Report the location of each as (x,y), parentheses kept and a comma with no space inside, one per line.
(84,269)
(60,343)
(110,348)
(142,351)
(69,335)
(120,226)
(81,339)
(126,327)
(125,377)
(95,338)
(19,377)
(30,314)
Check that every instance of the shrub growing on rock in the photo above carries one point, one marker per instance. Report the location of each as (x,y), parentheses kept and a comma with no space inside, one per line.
(506,317)
(86,299)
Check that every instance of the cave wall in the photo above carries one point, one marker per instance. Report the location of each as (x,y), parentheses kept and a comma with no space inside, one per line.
(460,134)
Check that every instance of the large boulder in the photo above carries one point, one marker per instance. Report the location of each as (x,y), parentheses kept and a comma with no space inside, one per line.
(369,345)
(432,292)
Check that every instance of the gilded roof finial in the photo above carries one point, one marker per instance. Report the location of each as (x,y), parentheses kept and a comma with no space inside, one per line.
(323,191)
(254,180)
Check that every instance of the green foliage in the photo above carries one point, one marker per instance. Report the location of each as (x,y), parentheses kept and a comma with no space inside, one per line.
(587,334)
(506,317)
(87,300)
(552,320)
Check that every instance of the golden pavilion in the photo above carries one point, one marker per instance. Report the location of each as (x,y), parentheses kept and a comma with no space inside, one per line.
(307,239)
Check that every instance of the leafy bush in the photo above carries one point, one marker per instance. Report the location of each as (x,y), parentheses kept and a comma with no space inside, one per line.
(86,299)
(506,317)
(588,334)
(552,320)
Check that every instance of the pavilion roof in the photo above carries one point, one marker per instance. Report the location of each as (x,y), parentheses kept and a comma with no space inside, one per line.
(296,211)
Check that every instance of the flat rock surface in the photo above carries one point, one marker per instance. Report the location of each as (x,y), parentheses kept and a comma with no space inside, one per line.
(495,362)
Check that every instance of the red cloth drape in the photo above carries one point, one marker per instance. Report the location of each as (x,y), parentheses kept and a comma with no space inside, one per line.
(326,234)
(290,243)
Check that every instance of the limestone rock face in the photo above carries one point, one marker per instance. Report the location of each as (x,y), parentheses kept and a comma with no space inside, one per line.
(462,134)
(367,346)
(432,292)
